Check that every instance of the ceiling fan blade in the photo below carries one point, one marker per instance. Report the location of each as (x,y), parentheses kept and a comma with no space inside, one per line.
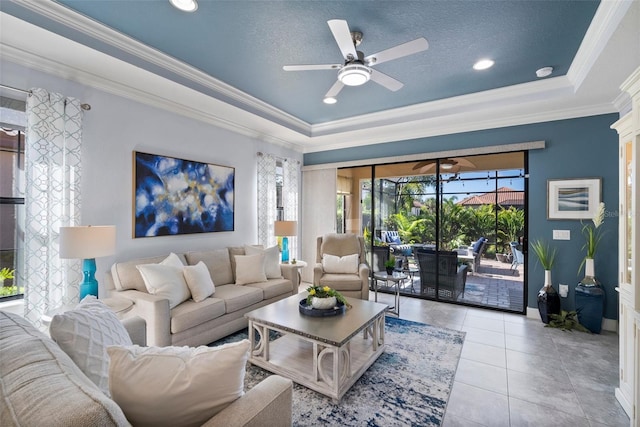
(341,33)
(335,89)
(312,67)
(387,81)
(420,165)
(405,49)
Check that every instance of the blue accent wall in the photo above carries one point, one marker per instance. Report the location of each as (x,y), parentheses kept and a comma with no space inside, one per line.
(576,148)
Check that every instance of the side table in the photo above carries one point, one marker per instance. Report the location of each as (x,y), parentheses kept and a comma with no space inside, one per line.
(299,265)
(395,279)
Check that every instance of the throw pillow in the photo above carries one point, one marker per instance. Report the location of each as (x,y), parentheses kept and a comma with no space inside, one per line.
(176,386)
(84,334)
(250,269)
(271,260)
(166,280)
(199,281)
(347,264)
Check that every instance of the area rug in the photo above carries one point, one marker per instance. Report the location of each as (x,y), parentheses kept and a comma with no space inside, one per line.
(409,384)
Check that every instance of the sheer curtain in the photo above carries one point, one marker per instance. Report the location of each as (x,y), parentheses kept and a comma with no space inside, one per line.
(267,203)
(52,199)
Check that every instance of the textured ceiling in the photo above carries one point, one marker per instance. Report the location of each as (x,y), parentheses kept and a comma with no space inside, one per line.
(245,44)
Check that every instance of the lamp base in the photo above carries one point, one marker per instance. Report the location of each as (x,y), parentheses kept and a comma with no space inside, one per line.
(285,250)
(89,284)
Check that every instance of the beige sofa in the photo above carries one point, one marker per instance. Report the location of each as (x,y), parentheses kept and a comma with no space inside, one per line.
(40,385)
(198,323)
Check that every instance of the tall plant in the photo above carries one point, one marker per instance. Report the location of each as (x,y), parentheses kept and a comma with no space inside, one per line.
(546,255)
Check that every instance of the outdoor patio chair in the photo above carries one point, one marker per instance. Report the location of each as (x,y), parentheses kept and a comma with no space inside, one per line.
(478,247)
(451,277)
(392,238)
(518,256)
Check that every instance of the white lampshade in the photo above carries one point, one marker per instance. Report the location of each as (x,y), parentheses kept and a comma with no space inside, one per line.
(285,228)
(86,242)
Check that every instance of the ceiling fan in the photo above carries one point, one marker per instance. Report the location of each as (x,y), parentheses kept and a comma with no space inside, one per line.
(357,68)
(446,165)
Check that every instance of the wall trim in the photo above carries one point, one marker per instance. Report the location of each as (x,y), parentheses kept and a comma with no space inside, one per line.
(490,149)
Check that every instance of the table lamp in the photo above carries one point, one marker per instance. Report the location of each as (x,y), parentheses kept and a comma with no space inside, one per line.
(87,243)
(284,229)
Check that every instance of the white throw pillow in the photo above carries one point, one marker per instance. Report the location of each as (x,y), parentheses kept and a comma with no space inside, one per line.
(271,260)
(347,264)
(84,334)
(250,269)
(176,386)
(166,280)
(199,281)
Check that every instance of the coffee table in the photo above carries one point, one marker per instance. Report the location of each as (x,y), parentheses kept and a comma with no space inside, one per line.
(325,354)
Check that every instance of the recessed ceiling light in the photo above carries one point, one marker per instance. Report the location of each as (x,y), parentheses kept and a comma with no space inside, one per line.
(329,100)
(544,71)
(483,64)
(185,5)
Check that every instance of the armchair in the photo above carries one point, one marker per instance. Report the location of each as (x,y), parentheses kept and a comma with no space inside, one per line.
(451,277)
(350,283)
(478,248)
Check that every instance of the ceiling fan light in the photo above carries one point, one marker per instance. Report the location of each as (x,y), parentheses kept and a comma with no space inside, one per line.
(446,165)
(354,74)
(185,5)
(329,100)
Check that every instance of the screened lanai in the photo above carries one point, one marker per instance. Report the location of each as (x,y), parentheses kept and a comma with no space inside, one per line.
(454,226)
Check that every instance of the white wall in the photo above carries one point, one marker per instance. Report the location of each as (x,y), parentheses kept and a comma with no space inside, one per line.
(114,128)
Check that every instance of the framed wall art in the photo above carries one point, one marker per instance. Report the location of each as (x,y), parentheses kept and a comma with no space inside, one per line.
(573,198)
(174,196)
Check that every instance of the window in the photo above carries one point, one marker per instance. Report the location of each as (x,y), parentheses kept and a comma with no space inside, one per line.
(11,211)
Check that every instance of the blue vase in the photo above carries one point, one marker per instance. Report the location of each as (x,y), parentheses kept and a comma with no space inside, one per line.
(589,300)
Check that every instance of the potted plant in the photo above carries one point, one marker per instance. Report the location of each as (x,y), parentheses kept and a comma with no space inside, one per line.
(324,297)
(589,295)
(390,264)
(548,298)
(5,274)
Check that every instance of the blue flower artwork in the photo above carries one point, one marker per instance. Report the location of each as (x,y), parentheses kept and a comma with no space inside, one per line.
(175,196)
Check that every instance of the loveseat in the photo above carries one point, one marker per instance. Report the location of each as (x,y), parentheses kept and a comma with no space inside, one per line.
(41,385)
(243,278)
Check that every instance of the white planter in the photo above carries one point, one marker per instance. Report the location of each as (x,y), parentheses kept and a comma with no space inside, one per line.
(323,303)
(547,279)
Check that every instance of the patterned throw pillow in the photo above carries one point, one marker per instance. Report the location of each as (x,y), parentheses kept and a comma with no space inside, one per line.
(84,334)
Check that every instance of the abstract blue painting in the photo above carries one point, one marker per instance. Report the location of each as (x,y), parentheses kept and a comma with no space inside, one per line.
(175,196)
(573,198)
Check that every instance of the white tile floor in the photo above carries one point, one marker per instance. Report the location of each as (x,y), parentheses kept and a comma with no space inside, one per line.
(515,372)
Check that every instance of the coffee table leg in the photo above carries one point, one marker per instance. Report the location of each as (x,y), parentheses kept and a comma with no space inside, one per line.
(261,349)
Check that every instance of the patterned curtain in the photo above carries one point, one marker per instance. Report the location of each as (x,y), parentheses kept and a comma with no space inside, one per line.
(290,194)
(52,200)
(266,199)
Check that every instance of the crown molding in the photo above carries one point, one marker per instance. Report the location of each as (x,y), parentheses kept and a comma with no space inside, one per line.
(76,21)
(603,25)
(495,98)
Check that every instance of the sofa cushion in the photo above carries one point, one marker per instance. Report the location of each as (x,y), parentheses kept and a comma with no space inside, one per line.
(190,313)
(199,281)
(218,263)
(271,260)
(40,384)
(84,334)
(250,269)
(166,280)
(233,251)
(343,282)
(126,276)
(176,386)
(347,264)
(238,297)
(274,287)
